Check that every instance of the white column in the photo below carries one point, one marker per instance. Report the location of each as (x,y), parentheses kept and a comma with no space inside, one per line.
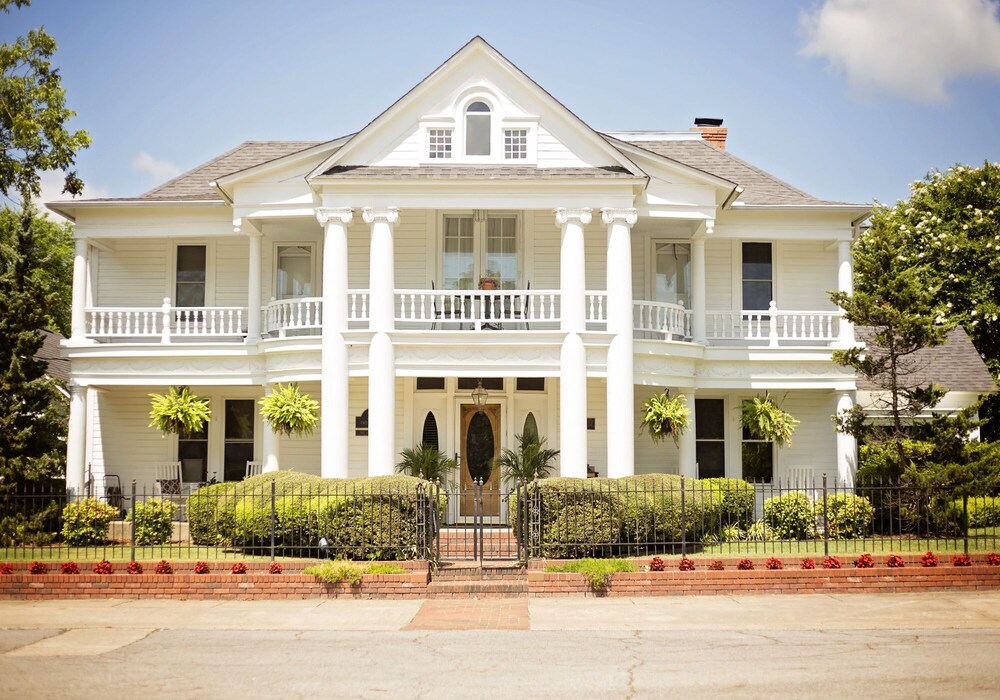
(381,355)
(847,446)
(688,453)
(845,283)
(573,355)
(76,439)
(335,413)
(269,442)
(78,314)
(698,290)
(254,240)
(620,389)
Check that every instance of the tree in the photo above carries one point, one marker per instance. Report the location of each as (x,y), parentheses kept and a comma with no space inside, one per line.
(32,425)
(52,245)
(34,116)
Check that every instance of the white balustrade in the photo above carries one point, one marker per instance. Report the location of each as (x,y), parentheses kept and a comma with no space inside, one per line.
(300,314)
(773,326)
(597,307)
(672,321)
(123,322)
(477,309)
(164,322)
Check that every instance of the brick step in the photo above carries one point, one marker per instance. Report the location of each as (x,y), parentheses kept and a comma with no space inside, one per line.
(460,572)
(491,589)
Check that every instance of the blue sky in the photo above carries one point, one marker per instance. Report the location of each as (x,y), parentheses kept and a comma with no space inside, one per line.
(846,99)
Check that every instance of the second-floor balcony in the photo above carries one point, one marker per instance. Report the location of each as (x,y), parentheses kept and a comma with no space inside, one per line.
(467,311)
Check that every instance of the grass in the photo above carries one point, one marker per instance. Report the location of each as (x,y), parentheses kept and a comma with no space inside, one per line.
(597,571)
(337,571)
(982,541)
(123,553)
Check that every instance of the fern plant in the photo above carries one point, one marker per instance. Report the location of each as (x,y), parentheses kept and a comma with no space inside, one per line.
(764,419)
(529,461)
(665,416)
(289,411)
(426,462)
(179,411)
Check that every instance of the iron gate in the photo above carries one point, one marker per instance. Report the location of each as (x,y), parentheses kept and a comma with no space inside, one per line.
(477,523)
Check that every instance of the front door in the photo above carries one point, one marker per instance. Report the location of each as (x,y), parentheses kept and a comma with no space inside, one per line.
(479,448)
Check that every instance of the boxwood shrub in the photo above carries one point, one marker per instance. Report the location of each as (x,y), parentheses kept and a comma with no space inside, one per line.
(86,522)
(790,516)
(847,516)
(151,521)
(737,501)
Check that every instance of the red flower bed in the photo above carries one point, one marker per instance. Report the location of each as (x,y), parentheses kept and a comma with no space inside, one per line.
(894,561)
(865,561)
(239,568)
(201,567)
(928,559)
(6,568)
(38,567)
(163,567)
(808,563)
(716,565)
(745,564)
(686,564)
(134,568)
(274,568)
(70,567)
(103,567)
(657,564)
(961,560)
(774,564)
(993,559)
(831,563)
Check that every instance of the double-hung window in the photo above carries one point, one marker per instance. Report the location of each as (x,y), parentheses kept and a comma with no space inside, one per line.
(758,276)
(710,437)
(672,282)
(477,247)
(191,275)
(294,271)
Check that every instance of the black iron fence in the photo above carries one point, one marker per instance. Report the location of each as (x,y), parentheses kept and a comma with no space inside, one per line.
(409,519)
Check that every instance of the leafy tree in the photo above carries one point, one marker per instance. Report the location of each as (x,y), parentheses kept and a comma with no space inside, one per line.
(32,427)
(52,245)
(34,116)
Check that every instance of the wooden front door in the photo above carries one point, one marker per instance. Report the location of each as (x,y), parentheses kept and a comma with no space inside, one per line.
(480,446)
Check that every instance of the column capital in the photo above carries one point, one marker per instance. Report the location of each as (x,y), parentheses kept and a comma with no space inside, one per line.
(611,215)
(389,215)
(564,216)
(326,214)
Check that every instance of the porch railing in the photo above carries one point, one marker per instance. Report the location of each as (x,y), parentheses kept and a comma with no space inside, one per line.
(165,322)
(662,320)
(773,326)
(477,309)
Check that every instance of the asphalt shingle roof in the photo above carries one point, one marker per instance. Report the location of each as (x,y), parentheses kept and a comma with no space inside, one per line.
(955,365)
(58,367)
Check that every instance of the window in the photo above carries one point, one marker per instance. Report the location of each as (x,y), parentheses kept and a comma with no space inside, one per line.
(429,435)
(530,430)
(361,424)
(757,276)
(531,383)
(430,383)
(489,383)
(476,247)
(439,143)
(757,457)
(515,144)
(294,272)
(477,129)
(192,453)
(238,448)
(190,289)
(672,283)
(710,437)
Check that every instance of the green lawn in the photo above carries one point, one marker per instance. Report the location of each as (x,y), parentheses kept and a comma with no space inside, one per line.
(983,541)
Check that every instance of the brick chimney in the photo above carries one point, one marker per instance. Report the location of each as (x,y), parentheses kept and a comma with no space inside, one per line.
(711,130)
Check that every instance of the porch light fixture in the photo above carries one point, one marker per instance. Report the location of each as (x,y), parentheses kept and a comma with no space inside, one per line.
(479,395)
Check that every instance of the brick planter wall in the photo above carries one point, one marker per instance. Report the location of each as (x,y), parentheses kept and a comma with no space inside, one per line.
(255,585)
(734,582)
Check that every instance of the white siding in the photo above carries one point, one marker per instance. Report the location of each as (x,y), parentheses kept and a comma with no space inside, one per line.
(302,453)
(650,457)
(719,272)
(134,273)
(358,249)
(546,251)
(123,442)
(807,271)
(232,262)
(814,445)
(411,252)
(595,244)
(597,439)
(554,154)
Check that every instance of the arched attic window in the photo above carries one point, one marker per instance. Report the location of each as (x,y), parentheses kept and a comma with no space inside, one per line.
(477,129)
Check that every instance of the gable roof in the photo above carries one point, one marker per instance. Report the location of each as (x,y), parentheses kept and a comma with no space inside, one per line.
(759,186)
(473,172)
(955,365)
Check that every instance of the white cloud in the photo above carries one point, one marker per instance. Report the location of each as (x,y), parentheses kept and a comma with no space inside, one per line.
(158,170)
(911,48)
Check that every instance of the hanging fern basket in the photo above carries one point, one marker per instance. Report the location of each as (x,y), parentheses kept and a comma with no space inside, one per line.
(764,419)
(179,412)
(289,411)
(665,416)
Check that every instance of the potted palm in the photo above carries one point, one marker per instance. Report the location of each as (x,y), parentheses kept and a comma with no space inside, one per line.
(764,419)
(179,412)
(426,462)
(289,411)
(529,461)
(665,416)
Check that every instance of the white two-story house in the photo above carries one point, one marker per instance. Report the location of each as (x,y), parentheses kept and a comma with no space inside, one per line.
(477,233)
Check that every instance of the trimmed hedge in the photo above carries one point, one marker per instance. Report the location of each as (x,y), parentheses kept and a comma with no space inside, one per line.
(737,501)
(369,518)
(847,516)
(151,521)
(86,522)
(790,516)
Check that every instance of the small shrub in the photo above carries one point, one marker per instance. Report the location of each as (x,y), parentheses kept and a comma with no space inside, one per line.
(201,567)
(831,562)
(790,516)
(38,567)
(992,559)
(745,565)
(151,521)
(757,532)
(134,568)
(961,560)
(70,567)
(104,567)
(808,564)
(894,561)
(239,568)
(597,571)
(733,533)
(163,567)
(737,503)
(85,523)
(848,516)
(773,563)
(928,559)
(275,568)
(657,564)
(337,571)
(865,561)
(984,511)
(716,565)
(686,564)
(6,569)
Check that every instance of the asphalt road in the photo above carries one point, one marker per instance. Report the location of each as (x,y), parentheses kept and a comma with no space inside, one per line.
(925,645)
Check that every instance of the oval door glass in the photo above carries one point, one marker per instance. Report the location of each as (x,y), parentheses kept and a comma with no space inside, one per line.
(479,447)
